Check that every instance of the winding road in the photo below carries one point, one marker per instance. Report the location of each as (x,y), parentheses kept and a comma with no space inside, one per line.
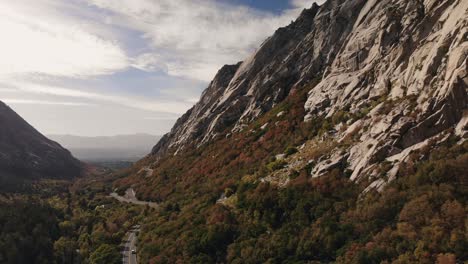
(130,197)
(128,257)
(129,251)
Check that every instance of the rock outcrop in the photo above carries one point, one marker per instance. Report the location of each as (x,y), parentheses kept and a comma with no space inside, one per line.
(25,154)
(240,93)
(397,69)
(411,54)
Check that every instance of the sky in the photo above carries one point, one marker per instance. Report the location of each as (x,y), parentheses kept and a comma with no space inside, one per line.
(109,67)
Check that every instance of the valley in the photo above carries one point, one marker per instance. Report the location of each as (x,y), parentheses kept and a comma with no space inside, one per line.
(113,152)
(342,138)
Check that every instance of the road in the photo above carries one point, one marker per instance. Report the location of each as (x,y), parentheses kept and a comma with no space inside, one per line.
(131,236)
(129,245)
(130,197)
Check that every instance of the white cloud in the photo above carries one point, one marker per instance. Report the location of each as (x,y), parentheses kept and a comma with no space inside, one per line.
(149,62)
(37,40)
(195,38)
(157,118)
(55,53)
(7,90)
(167,106)
(41,102)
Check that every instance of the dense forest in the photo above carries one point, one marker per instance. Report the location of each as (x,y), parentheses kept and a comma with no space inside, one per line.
(28,231)
(69,223)
(417,219)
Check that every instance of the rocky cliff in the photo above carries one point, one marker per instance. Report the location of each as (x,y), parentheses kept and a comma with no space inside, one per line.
(409,58)
(27,154)
(392,72)
(342,139)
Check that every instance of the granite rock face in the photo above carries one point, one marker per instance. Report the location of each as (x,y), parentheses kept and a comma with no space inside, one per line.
(412,55)
(240,93)
(400,66)
(27,154)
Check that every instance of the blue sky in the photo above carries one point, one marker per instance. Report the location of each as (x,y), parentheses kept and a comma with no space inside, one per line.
(275,6)
(106,67)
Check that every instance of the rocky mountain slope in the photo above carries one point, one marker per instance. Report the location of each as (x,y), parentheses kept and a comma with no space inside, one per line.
(25,154)
(342,139)
(394,71)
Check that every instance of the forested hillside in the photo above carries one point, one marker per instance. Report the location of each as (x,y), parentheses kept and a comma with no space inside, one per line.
(220,202)
(65,223)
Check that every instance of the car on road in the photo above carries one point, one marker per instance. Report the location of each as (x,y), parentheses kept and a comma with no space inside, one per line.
(133,251)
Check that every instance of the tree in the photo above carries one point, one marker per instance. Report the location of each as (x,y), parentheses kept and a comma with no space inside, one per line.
(106,254)
(65,250)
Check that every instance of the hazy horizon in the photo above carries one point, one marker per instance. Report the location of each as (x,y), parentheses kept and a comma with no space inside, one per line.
(107,148)
(103,136)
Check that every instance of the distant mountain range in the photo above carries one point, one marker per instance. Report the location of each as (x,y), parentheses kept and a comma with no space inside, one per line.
(108,148)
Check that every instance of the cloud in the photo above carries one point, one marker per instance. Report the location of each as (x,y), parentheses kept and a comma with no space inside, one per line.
(131,58)
(150,62)
(38,40)
(92,98)
(195,38)
(7,90)
(41,102)
(157,118)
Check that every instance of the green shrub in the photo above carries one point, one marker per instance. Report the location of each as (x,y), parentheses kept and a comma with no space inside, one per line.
(228,192)
(276,165)
(290,150)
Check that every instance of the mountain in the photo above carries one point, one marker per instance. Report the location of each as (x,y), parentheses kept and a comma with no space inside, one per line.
(25,154)
(108,148)
(396,67)
(341,139)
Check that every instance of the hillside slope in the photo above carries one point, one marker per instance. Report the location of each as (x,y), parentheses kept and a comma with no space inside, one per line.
(405,61)
(342,138)
(25,154)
